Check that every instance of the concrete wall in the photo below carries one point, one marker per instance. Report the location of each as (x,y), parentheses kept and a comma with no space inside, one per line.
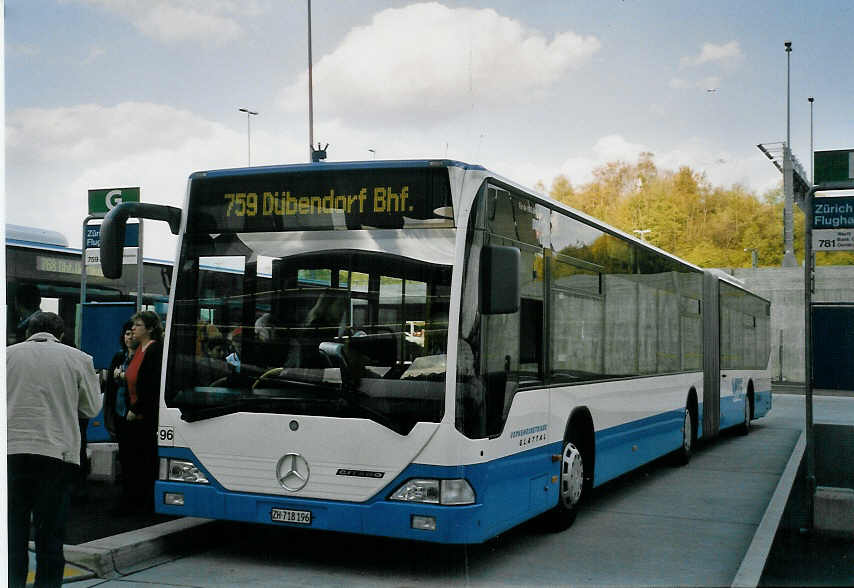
(784,287)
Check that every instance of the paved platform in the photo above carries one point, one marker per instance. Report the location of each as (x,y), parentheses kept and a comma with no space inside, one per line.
(694,525)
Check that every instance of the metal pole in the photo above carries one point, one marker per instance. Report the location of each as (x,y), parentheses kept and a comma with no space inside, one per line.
(789,259)
(788,45)
(83,260)
(310,95)
(249,114)
(139,270)
(808,355)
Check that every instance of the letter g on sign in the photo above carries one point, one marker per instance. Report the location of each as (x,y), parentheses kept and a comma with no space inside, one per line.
(113,198)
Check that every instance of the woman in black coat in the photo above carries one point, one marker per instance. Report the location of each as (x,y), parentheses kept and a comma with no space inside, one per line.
(140,424)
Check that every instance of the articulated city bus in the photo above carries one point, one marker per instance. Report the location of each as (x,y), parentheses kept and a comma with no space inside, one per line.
(439,354)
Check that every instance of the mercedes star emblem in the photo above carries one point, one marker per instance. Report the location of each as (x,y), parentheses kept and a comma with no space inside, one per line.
(292,472)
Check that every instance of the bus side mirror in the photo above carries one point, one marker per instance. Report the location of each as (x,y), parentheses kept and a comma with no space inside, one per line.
(113,231)
(499,279)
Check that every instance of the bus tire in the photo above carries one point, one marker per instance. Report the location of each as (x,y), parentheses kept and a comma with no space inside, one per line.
(689,436)
(571,489)
(744,428)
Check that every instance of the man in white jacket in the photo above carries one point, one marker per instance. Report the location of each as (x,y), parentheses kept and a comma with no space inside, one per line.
(48,386)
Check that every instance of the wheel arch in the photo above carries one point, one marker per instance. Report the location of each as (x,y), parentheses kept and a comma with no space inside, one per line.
(579,429)
(694,406)
(751,397)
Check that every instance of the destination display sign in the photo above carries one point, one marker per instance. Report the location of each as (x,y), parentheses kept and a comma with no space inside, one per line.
(833,213)
(320,200)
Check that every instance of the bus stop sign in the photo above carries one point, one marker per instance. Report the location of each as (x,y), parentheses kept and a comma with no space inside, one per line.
(102,201)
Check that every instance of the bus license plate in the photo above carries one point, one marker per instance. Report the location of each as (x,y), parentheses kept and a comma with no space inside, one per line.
(284,515)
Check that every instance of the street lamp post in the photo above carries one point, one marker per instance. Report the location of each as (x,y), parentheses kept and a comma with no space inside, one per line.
(311,155)
(249,114)
(812,152)
(788,45)
(789,259)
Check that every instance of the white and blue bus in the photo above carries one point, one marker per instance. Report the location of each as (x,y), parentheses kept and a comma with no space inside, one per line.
(439,354)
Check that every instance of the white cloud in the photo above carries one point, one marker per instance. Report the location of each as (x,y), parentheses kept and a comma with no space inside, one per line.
(430,61)
(208,21)
(56,155)
(711,53)
(722,167)
(610,148)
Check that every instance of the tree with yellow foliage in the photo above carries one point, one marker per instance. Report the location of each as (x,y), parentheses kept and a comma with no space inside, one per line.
(687,216)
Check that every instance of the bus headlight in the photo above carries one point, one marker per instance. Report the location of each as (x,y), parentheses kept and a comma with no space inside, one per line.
(181,470)
(430,491)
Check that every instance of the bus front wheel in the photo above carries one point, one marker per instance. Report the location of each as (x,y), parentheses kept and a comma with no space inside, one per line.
(689,436)
(571,489)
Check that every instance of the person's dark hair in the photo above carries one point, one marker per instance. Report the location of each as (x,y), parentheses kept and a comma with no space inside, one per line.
(125,328)
(28,296)
(46,322)
(151,321)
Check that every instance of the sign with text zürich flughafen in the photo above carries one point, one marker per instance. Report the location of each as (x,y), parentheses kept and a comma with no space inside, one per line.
(833,223)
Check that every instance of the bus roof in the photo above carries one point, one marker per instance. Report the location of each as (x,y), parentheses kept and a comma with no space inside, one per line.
(19,239)
(338,166)
(35,236)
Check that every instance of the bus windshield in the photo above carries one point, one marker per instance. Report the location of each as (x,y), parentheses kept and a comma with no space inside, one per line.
(332,323)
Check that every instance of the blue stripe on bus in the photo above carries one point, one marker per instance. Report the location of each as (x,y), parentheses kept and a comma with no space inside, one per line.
(761,403)
(623,448)
(508,491)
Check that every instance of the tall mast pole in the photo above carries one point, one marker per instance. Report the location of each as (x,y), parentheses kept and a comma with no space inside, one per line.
(310,94)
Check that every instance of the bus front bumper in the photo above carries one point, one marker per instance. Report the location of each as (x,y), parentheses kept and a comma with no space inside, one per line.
(423,522)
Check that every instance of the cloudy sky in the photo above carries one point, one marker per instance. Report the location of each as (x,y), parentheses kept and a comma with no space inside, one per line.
(109,93)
